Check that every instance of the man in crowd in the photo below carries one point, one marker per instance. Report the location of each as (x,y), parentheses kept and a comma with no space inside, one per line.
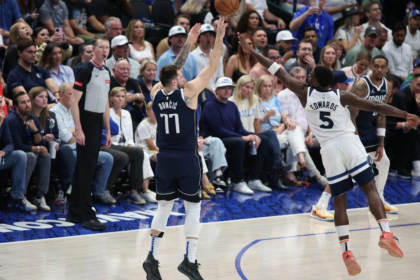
(259,38)
(416,70)
(340,81)
(373,12)
(413,33)
(258,70)
(371,40)
(120,49)
(309,34)
(305,57)
(284,41)
(113,27)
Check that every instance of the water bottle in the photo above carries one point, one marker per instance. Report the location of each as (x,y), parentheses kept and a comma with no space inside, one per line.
(253,150)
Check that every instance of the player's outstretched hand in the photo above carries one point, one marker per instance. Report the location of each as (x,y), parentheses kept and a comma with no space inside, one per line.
(221,27)
(194,33)
(413,121)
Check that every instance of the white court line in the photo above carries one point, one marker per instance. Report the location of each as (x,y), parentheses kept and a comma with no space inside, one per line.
(201,224)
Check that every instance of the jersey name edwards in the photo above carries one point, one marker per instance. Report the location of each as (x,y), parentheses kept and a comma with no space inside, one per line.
(168,105)
(323,105)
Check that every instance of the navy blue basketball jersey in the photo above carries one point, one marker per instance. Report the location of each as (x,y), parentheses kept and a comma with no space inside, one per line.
(364,120)
(176,123)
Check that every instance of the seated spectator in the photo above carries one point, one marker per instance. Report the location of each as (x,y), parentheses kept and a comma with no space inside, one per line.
(53,15)
(104,9)
(51,60)
(329,58)
(240,64)
(413,33)
(398,53)
(145,136)
(258,70)
(373,13)
(248,22)
(360,69)
(140,49)
(259,39)
(10,15)
(19,32)
(336,8)
(123,144)
(195,9)
(284,41)
(28,11)
(120,49)
(82,19)
(315,17)
(25,129)
(41,40)
(85,54)
(64,162)
(416,70)
(67,136)
(261,7)
(26,75)
(180,20)
(16,161)
(177,38)
(350,33)
(147,78)
(236,139)
(310,34)
(371,40)
(202,53)
(338,46)
(383,39)
(305,58)
(134,96)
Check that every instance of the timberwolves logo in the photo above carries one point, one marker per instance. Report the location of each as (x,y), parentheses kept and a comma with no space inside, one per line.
(372,164)
(370,161)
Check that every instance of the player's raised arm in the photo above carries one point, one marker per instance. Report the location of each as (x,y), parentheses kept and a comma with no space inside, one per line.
(194,87)
(298,87)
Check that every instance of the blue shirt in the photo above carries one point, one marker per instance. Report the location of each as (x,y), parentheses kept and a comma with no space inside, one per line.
(326,34)
(190,69)
(9,14)
(64,75)
(77,67)
(21,77)
(6,143)
(272,104)
(114,129)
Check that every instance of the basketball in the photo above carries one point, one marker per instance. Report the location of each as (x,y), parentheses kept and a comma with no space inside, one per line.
(226,7)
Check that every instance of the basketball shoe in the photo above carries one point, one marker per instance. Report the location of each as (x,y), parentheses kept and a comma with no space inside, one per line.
(321,214)
(390,209)
(190,269)
(353,268)
(151,266)
(388,242)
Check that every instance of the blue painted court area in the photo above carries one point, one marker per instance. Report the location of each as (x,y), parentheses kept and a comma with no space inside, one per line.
(16,226)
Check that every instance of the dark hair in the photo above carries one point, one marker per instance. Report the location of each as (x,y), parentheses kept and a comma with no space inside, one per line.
(37,31)
(394,79)
(308,29)
(364,55)
(366,7)
(24,45)
(242,26)
(16,96)
(168,73)
(399,26)
(182,16)
(380,56)
(303,41)
(100,38)
(22,9)
(323,75)
(46,57)
(81,51)
(44,114)
(258,29)
(267,49)
(415,77)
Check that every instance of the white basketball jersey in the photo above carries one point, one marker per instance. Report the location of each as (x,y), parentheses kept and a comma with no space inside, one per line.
(326,116)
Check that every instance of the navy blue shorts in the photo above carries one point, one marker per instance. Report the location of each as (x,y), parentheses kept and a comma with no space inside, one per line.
(178,175)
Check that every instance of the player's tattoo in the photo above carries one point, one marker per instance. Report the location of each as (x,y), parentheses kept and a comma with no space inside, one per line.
(360,89)
(189,100)
(182,56)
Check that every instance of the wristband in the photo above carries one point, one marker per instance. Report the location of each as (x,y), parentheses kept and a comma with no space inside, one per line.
(381,132)
(38,149)
(403,125)
(138,95)
(273,68)
(36,132)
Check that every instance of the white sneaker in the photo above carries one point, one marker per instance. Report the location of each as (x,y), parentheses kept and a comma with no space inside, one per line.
(390,209)
(41,204)
(149,196)
(322,181)
(415,173)
(242,187)
(257,185)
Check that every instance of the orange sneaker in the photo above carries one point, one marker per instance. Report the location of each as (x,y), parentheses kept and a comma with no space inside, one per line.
(388,242)
(353,268)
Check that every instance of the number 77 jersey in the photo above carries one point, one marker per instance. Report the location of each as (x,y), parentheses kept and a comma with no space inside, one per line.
(326,116)
(176,123)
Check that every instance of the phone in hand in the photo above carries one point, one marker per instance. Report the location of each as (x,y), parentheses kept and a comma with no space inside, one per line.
(316,4)
(60,32)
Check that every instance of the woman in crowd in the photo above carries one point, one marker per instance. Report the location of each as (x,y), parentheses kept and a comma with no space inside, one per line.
(360,69)
(85,54)
(239,64)
(288,134)
(336,9)
(147,78)
(51,60)
(350,33)
(338,46)
(64,163)
(248,22)
(42,39)
(140,169)
(195,9)
(329,58)
(140,49)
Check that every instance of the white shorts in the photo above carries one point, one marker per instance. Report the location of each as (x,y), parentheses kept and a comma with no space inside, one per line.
(345,157)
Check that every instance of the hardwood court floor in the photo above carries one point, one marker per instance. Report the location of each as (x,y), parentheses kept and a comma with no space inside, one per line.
(285,247)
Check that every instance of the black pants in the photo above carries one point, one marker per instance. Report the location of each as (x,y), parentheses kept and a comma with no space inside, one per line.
(236,152)
(64,164)
(405,146)
(80,204)
(122,157)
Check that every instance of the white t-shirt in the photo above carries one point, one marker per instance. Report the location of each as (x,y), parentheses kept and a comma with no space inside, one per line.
(413,42)
(139,55)
(331,4)
(248,115)
(259,5)
(348,35)
(144,131)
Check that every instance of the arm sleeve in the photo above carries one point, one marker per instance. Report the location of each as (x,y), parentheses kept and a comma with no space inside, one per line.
(55,130)
(82,79)
(283,103)
(391,65)
(114,128)
(63,131)
(10,61)
(143,132)
(38,125)
(13,81)
(128,134)
(238,124)
(7,139)
(16,12)
(44,14)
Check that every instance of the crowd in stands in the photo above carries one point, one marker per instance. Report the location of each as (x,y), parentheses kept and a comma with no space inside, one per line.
(252,128)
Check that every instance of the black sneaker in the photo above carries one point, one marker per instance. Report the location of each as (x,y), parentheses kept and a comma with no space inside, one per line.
(151,266)
(403,173)
(190,269)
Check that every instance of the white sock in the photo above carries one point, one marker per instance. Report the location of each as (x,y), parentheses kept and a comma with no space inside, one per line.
(323,200)
(383,224)
(191,249)
(416,165)
(219,172)
(154,248)
(345,245)
(343,231)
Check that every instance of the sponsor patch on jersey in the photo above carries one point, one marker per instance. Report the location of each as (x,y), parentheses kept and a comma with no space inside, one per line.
(79,84)
(107,82)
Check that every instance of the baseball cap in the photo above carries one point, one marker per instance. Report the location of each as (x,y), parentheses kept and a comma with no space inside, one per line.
(341,77)
(119,41)
(176,30)
(371,30)
(349,11)
(224,82)
(285,35)
(417,63)
(207,28)
(414,13)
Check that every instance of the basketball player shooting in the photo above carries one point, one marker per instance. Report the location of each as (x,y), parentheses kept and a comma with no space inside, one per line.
(178,171)
(343,154)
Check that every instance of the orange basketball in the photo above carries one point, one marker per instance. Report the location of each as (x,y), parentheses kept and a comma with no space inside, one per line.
(227,8)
